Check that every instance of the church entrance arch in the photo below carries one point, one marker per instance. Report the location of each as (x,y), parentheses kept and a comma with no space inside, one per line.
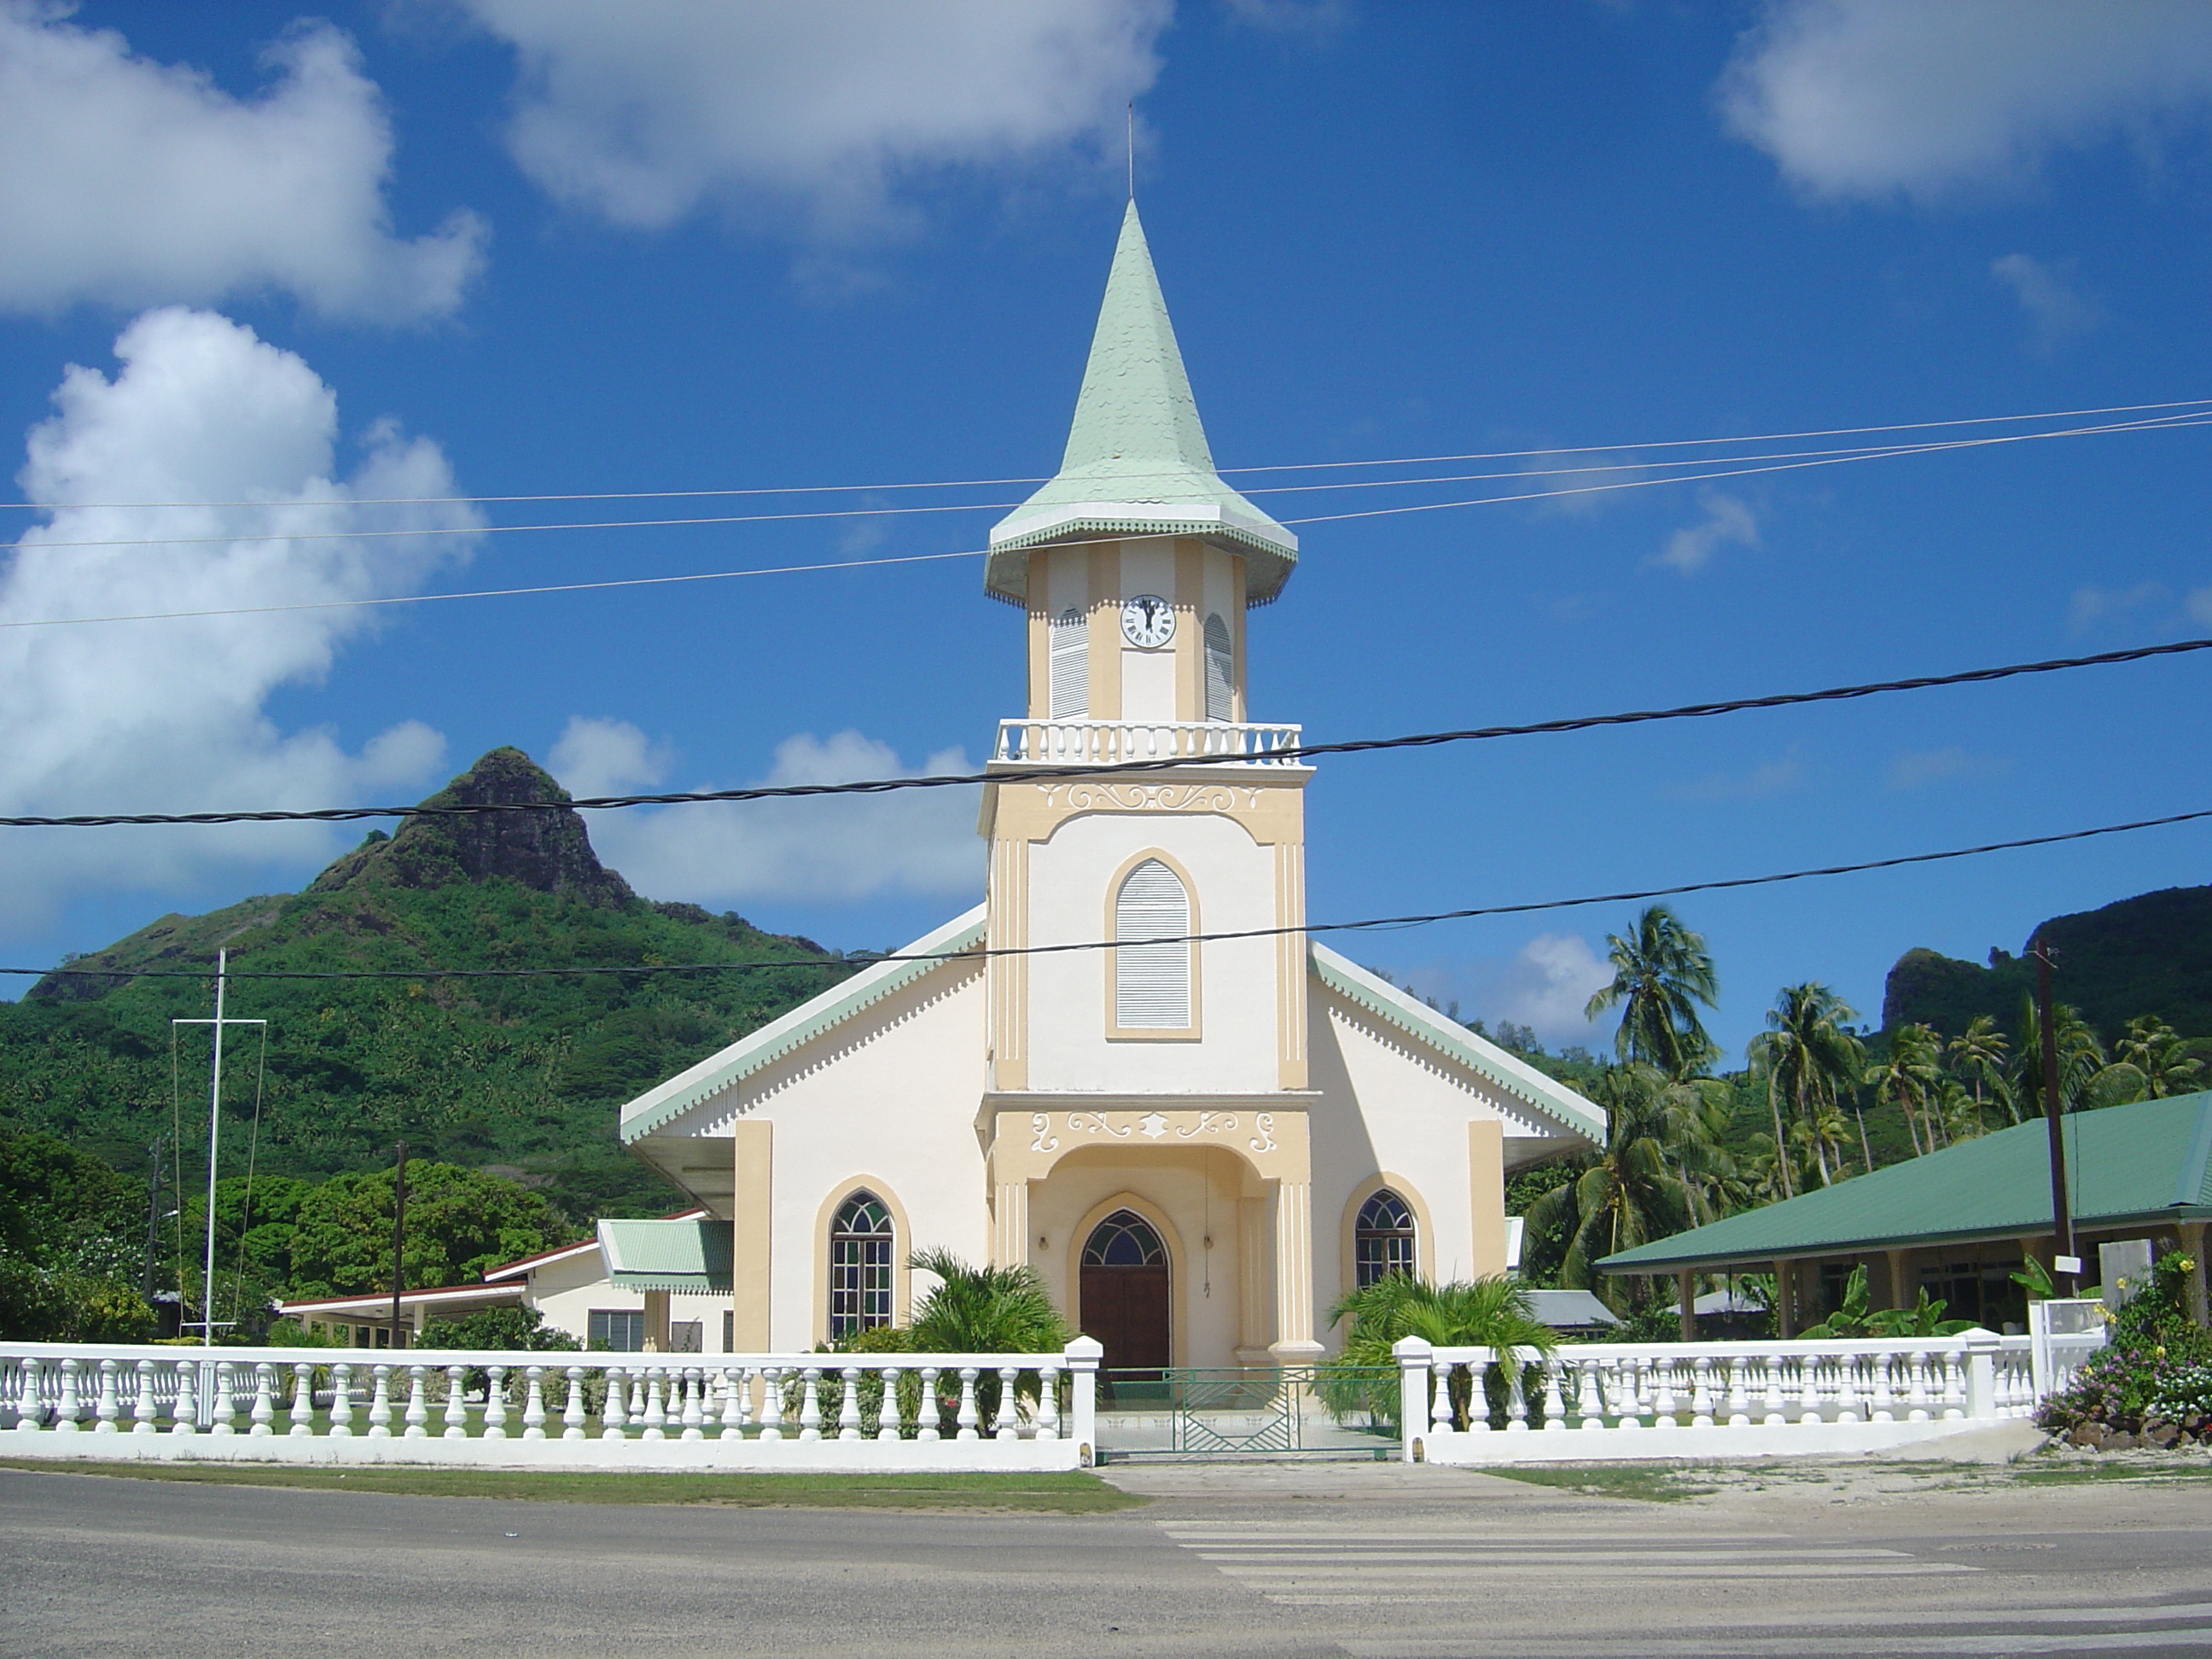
(1123,1296)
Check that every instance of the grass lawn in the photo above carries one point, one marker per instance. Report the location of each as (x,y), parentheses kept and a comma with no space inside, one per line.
(1653,1483)
(1070,1493)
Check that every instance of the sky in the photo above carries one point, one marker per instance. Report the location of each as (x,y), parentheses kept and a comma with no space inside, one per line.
(332,265)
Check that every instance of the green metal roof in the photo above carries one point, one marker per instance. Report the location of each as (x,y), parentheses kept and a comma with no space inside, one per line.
(691,1255)
(1486,1059)
(1137,463)
(2125,1166)
(665,1101)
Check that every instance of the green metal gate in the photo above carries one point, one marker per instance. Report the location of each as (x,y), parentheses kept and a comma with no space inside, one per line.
(1252,1412)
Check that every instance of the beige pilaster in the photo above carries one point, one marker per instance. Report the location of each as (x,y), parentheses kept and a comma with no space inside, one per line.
(656,1322)
(1040,633)
(1252,1281)
(1236,631)
(751,1232)
(1007,977)
(1010,1224)
(1901,1287)
(1291,992)
(1104,639)
(1485,1178)
(1294,1341)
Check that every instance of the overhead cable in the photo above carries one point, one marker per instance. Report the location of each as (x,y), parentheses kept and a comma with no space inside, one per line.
(1172,763)
(1366,924)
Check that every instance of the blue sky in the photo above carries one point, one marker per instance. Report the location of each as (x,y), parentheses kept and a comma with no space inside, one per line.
(486,248)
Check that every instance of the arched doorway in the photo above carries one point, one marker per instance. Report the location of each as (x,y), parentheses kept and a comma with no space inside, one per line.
(1124,1293)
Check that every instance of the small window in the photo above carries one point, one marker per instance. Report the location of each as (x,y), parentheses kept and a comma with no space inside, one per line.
(729,1331)
(859,1266)
(1152,951)
(1124,1239)
(1068,666)
(684,1336)
(1220,671)
(1383,1239)
(617,1330)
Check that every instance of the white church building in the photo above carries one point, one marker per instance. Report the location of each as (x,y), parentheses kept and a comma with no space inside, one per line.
(1200,1143)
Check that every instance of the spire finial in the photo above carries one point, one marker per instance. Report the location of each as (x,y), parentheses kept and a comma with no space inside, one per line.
(1129,130)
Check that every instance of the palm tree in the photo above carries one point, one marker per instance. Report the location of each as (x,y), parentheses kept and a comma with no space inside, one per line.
(1809,1055)
(1907,1077)
(2161,1055)
(1629,1194)
(1487,1313)
(1695,1114)
(2081,1056)
(1979,1053)
(1660,975)
(980,1311)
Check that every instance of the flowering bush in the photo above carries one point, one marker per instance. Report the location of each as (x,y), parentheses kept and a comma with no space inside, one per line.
(2155,1377)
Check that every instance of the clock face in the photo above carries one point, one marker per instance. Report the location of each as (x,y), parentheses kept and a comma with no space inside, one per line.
(1147,621)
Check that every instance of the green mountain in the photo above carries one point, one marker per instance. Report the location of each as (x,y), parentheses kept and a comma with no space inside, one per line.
(2147,955)
(521,1077)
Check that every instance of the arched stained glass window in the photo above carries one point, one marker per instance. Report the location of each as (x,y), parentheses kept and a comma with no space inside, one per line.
(1220,671)
(1152,951)
(859,1266)
(1068,666)
(1124,1239)
(1383,1239)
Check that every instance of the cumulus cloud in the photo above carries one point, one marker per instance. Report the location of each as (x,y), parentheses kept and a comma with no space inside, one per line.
(132,182)
(1727,523)
(2056,309)
(1543,986)
(642,115)
(170,715)
(1773,777)
(2200,605)
(1879,98)
(2091,606)
(837,848)
(1917,770)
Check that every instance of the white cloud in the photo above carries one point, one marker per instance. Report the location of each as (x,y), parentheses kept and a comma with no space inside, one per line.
(1728,522)
(2057,310)
(644,113)
(1544,986)
(837,848)
(607,757)
(2090,606)
(2200,605)
(1917,770)
(131,182)
(1774,777)
(170,716)
(1875,98)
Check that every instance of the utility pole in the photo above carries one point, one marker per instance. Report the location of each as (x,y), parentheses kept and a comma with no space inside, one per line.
(399,1238)
(215,1135)
(2065,1265)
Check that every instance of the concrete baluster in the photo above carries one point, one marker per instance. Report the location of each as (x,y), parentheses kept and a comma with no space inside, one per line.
(771,1415)
(1917,1392)
(185,1415)
(68,1406)
(142,1406)
(927,1414)
(110,1407)
(1739,1391)
(265,1401)
(736,1396)
(848,1405)
(656,1405)
(572,1409)
(695,1402)
(614,1412)
(1627,1401)
(30,1409)
(1555,1409)
(495,1411)
(1009,1404)
(1047,1417)
(1701,1392)
(810,1404)
(1847,1389)
(1955,1365)
(341,1402)
(1663,1394)
(890,1415)
(967,1418)
(457,1407)
(379,1405)
(1808,1387)
(1775,1402)
(1883,1408)
(1589,1406)
(1516,1362)
(303,1401)
(418,1402)
(1441,1416)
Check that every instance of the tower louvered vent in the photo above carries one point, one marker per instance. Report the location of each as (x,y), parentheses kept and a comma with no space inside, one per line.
(1070,667)
(1220,671)
(1151,956)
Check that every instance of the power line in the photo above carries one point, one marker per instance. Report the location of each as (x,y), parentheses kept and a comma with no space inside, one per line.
(994,483)
(1366,924)
(1049,773)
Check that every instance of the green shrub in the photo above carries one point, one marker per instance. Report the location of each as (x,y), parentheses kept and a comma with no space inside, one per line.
(2156,1368)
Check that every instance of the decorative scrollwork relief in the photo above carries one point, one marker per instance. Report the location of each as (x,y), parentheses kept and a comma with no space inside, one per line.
(1265,1141)
(1087,797)
(1042,1139)
(1091,1123)
(1209,1123)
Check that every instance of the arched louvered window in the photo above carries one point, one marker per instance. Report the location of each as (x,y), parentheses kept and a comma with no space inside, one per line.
(1220,671)
(1383,1239)
(1151,953)
(860,1265)
(1068,663)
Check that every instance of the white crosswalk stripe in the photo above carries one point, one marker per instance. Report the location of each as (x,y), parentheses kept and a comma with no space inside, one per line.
(1320,1568)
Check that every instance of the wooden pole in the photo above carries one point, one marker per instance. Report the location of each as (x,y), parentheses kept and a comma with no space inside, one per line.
(2062,1220)
(399,1238)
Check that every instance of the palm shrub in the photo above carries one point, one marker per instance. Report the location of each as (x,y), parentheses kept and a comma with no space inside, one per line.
(1851,1318)
(1493,1313)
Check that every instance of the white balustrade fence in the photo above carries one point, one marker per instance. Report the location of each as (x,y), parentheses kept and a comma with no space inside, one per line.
(1613,1400)
(1082,742)
(805,1411)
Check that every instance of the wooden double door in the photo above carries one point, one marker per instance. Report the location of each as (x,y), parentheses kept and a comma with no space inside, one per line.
(1124,1293)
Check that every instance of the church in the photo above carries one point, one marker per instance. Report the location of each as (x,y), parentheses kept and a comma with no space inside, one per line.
(1200,1126)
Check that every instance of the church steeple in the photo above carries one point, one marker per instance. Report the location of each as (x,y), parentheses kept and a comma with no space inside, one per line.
(1137,462)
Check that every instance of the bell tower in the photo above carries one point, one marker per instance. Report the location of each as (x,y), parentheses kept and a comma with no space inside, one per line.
(1135,568)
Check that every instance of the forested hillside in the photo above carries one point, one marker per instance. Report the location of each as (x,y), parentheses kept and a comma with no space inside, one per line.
(2151,954)
(517,1076)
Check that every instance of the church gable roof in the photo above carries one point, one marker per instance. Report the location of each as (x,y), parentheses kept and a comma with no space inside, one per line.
(1137,461)
(659,1105)
(1548,1096)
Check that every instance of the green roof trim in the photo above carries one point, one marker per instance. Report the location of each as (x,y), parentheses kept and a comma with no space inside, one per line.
(1484,1058)
(1137,461)
(691,1255)
(659,1104)
(2140,1165)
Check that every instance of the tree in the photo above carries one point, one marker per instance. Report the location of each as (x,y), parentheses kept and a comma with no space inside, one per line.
(2160,1054)
(515,1328)
(1809,1057)
(1629,1194)
(1490,1313)
(1908,1076)
(460,1222)
(1660,975)
(984,1309)
(1978,1054)
(2081,1057)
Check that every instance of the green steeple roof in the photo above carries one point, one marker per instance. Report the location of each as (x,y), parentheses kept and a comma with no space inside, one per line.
(1137,462)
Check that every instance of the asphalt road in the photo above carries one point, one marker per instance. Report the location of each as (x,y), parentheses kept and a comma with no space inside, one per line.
(1371,1559)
